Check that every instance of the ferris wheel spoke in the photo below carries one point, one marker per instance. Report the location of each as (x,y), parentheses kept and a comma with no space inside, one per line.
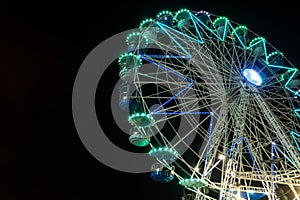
(294,155)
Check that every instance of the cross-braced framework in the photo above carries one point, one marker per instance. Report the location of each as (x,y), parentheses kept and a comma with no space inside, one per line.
(217,105)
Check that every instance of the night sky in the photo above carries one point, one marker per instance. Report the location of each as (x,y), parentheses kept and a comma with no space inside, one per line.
(42,45)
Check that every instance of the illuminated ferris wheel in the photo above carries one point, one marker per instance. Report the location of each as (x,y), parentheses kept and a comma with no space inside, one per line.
(216,105)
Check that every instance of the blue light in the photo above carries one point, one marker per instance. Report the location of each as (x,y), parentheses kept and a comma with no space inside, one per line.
(252,195)
(252,76)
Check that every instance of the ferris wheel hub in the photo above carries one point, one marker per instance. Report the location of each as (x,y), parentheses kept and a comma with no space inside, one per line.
(252,76)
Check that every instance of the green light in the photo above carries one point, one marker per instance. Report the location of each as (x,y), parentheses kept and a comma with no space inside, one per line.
(193,182)
(164,153)
(141,119)
(165,149)
(122,58)
(281,77)
(274,54)
(182,13)
(146,23)
(256,40)
(131,35)
(162,13)
(239,29)
(139,140)
(127,62)
(136,35)
(220,20)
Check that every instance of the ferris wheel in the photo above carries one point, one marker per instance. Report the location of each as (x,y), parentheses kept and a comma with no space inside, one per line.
(216,105)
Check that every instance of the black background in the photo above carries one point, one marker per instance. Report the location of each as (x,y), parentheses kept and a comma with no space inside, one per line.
(42,45)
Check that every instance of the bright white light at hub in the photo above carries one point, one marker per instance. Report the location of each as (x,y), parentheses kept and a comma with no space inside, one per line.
(252,76)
